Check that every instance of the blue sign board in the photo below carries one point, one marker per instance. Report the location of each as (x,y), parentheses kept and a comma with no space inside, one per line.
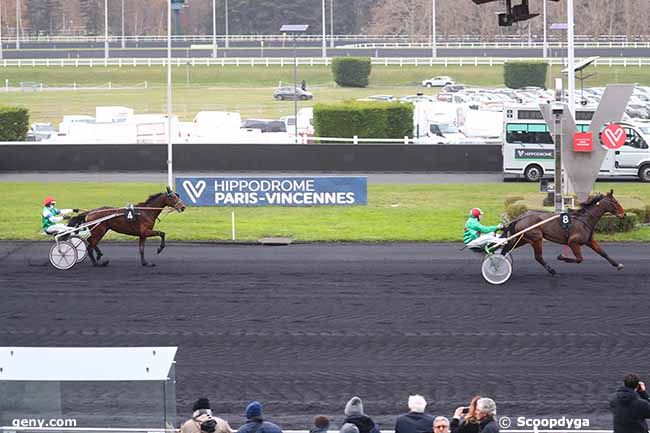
(273,191)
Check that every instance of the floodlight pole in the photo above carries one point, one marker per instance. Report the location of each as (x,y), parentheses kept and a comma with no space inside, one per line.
(214,29)
(545,49)
(324,51)
(17,24)
(123,37)
(106,29)
(170,175)
(226,12)
(571,58)
(0,31)
(295,88)
(434,49)
(331,23)
(557,110)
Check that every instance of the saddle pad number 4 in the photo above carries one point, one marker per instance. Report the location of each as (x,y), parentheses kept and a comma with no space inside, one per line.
(565,221)
(129,213)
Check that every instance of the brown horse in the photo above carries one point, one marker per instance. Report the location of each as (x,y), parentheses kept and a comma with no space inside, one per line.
(142,226)
(580,232)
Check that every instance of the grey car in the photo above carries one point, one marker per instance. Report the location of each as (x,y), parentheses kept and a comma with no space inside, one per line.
(287,93)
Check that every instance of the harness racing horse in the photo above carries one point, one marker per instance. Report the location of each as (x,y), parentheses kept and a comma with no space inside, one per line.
(142,226)
(580,232)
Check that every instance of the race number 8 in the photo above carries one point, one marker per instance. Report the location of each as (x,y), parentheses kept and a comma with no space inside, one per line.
(565,219)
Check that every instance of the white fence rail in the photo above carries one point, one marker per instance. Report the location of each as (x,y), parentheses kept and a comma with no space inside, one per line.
(304,61)
(499,45)
(9,39)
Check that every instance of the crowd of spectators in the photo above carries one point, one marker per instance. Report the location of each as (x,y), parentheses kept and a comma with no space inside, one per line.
(478,417)
(630,406)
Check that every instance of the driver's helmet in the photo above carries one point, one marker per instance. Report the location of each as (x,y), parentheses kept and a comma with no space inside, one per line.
(475,213)
(49,201)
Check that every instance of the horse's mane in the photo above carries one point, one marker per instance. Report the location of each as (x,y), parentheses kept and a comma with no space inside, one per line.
(153,197)
(589,203)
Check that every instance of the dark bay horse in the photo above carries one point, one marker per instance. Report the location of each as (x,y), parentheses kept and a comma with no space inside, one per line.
(581,230)
(142,226)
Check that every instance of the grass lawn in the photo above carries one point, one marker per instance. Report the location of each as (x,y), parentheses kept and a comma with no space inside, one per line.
(246,89)
(394,212)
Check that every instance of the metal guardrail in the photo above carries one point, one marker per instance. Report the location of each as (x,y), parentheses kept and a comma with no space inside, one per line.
(498,45)
(8,38)
(306,61)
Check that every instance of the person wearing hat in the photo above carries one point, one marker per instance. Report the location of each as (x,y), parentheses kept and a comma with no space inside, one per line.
(321,424)
(51,217)
(349,428)
(354,415)
(203,421)
(255,420)
(416,421)
(476,235)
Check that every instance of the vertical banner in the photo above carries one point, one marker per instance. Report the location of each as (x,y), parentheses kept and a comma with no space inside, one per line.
(273,191)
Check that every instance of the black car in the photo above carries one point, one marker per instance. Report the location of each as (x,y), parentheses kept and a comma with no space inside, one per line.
(265,125)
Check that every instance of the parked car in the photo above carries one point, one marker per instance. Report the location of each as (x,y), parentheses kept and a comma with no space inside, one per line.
(381,98)
(40,131)
(445,97)
(453,88)
(289,93)
(264,125)
(418,98)
(439,81)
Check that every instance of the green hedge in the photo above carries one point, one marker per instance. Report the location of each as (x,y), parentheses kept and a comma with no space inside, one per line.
(364,119)
(613,224)
(351,71)
(515,210)
(521,74)
(14,123)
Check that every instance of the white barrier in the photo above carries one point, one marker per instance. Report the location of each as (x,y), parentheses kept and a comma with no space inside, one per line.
(305,61)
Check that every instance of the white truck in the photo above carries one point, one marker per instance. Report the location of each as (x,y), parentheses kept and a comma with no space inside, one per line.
(528,149)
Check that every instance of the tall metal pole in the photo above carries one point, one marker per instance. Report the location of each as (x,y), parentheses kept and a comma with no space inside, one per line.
(106,29)
(214,29)
(295,88)
(0,31)
(324,50)
(170,175)
(17,24)
(123,40)
(434,49)
(557,114)
(571,57)
(545,49)
(331,23)
(227,41)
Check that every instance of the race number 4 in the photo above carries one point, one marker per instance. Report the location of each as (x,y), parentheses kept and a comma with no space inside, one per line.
(565,221)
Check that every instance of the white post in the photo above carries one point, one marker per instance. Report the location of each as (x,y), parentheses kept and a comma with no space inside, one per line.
(170,171)
(17,24)
(434,50)
(214,29)
(545,49)
(571,58)
(226,12)
(331,23)
(123,36)
(233,225)
(0,31)
(324,51)
(106,29)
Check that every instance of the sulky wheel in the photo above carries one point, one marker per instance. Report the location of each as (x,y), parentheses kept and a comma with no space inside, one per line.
(496,268)
(63,255)
(80,245)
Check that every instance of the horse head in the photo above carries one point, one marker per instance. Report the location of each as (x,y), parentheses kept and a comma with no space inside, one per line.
(172,199)
(612,205)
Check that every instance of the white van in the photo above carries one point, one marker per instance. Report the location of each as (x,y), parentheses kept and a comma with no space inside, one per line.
(528,150)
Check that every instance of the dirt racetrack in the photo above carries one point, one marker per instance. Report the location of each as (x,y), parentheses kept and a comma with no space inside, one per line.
(305,327)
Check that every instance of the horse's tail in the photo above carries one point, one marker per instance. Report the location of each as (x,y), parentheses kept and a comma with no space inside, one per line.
(77,220)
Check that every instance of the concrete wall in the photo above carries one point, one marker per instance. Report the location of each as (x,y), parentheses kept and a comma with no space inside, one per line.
(251,157)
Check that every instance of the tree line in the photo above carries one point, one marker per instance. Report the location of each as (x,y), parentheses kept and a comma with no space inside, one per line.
(394,17)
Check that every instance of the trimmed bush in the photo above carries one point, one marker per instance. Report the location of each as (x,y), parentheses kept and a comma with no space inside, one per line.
(515,210)
(642,214)
(364,119)
(511,199)
(14,123)
(522,74)
(351,71)
(612,224)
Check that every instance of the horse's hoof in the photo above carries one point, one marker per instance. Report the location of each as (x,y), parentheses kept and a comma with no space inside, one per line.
(149,264)
(620,267)
(159,250)
(560,257)
(552,271)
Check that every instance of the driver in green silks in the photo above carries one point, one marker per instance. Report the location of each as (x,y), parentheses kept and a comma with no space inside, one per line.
(476,235)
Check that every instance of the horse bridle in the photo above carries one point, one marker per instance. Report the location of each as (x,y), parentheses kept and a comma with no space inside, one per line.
(592,228)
